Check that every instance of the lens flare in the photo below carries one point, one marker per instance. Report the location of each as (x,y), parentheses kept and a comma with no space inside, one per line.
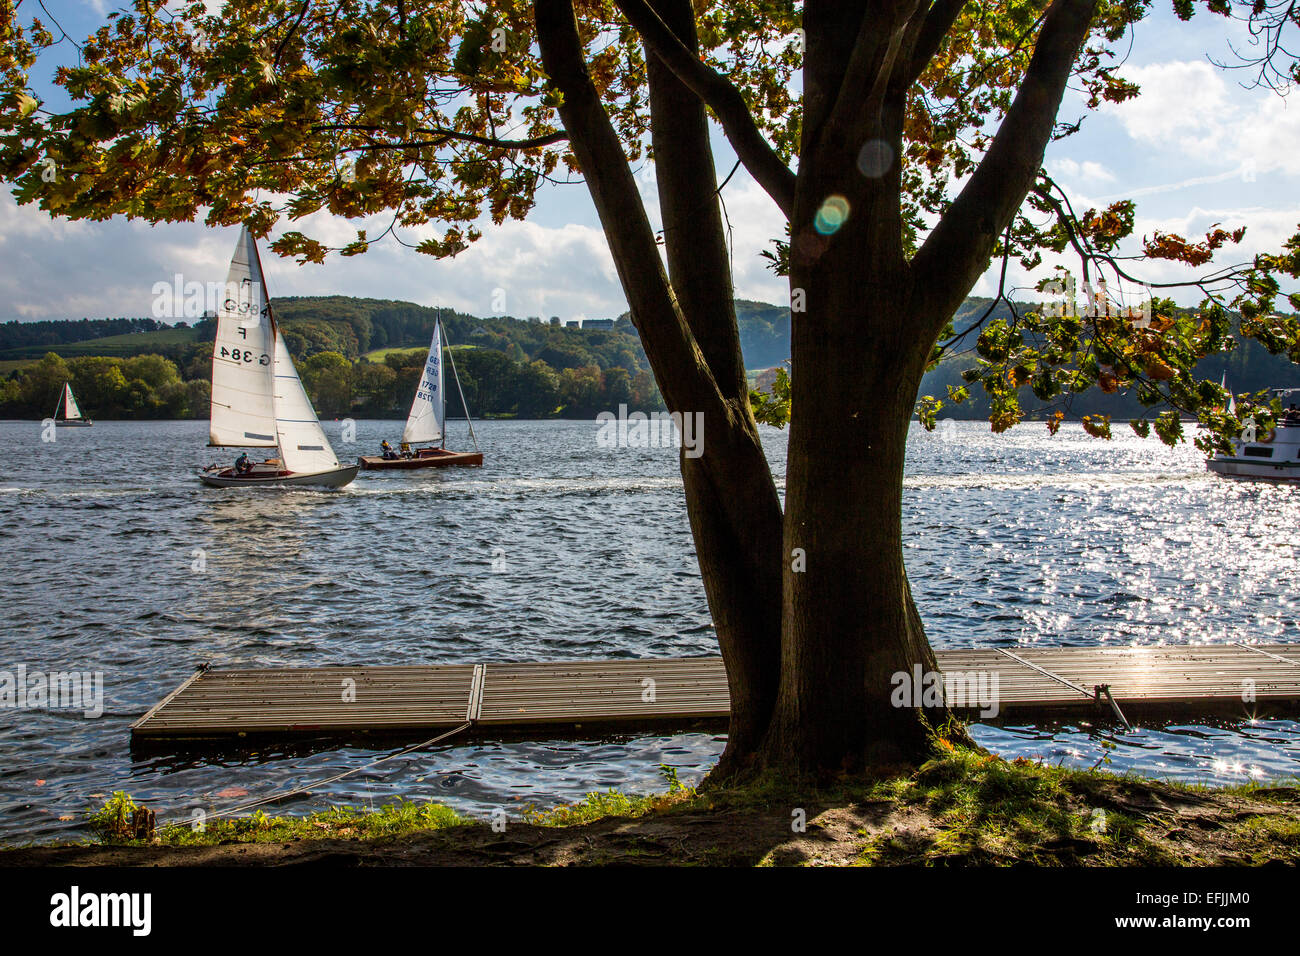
(875,158)
(833,214)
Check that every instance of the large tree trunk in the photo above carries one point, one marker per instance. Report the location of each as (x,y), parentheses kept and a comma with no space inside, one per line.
(849,624)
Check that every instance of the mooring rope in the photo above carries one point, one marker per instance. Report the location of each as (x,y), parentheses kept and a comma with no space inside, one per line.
(1276,657)
(1045,672)
(276,797)
(1097,691)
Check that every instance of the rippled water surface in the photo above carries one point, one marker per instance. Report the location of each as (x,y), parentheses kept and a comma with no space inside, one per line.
(113,558)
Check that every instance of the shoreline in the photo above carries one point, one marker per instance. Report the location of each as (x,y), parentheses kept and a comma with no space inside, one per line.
(960,808)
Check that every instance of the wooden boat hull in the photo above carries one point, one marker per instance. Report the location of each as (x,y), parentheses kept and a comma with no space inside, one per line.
(426,458)
(226,478)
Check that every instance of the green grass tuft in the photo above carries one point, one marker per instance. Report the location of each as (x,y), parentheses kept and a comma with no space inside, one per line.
(111,824)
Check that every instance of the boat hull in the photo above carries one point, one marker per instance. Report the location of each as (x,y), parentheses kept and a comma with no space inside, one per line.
(226,478)
(428,458)
(1237,468)
(74,424)
(1274,456)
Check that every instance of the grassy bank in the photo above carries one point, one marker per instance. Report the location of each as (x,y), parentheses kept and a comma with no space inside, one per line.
(962,808)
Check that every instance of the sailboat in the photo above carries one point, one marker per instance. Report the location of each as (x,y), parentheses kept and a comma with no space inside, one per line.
(71,413)
(257,398)
(427,421)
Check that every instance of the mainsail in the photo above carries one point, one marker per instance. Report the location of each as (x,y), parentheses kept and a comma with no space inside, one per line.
(70,410)
(243,407)
(428,410)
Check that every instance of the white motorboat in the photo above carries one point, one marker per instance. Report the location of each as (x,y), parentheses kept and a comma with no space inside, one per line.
(1272,454)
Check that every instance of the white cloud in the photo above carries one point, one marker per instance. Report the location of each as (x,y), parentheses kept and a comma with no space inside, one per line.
(755,221)
(1087,171)
(1160,115)
(1189,112)
(68,270)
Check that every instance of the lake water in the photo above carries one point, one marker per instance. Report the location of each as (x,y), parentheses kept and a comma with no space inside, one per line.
(113,558)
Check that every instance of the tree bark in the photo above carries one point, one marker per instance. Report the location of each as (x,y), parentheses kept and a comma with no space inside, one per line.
(849,624)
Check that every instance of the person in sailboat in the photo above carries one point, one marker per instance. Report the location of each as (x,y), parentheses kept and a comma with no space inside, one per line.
(406,450)
(387,450)
(243,465)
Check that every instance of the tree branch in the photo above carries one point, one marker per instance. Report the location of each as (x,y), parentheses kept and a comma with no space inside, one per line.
(306,5)
(679,366)
(859,102)
(720,95)
(939,18)
(1087,255)
(449,134)
(689,202)
(958,248)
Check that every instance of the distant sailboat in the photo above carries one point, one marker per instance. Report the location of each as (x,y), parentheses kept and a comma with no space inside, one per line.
(427,421)
(1232,402)
(71,413)
(257,398)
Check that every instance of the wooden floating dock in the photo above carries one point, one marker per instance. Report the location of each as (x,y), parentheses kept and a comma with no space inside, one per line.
(622,695)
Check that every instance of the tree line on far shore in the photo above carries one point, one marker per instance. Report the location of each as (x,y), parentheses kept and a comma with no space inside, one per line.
(363,358)
(495,386)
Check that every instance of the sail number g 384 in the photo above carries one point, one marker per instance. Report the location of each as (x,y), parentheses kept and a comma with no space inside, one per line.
(247,356)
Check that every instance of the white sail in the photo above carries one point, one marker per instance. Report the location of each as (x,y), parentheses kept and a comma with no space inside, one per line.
(304,449)
(243,409)
(428,410)
(70,410)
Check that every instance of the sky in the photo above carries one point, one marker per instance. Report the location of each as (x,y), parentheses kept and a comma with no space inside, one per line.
(1197,147)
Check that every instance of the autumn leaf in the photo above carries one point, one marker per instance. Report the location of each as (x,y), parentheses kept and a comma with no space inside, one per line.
(1098,426)
(1157,369)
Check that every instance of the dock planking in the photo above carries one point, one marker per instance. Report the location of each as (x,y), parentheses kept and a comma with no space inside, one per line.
(622,695)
